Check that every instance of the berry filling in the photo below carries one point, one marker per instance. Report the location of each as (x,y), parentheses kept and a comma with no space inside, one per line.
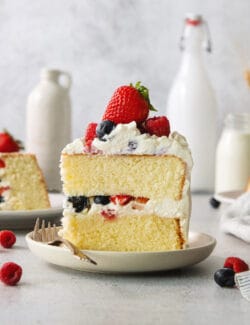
(79,203)
(84,204)
(108,214)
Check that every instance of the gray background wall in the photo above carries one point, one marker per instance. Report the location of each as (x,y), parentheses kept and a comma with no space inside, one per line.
(106,43)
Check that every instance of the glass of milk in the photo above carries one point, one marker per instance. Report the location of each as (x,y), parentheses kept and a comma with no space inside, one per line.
(233,154)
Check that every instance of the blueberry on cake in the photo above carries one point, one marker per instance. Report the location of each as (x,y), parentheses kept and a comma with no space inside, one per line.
(127,181)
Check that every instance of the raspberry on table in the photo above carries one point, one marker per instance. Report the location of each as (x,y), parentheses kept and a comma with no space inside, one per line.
(236,264)
(10,273)
(7,238)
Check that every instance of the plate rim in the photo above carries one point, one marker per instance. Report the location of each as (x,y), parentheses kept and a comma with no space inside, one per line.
(226,196)
(212,242)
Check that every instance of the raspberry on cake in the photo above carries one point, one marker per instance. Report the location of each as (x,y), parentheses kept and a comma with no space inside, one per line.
(132,185)
(22,185)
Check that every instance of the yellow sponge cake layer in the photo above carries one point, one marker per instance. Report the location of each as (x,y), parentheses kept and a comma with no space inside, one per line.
(149,176)
(132,233)
(26,186)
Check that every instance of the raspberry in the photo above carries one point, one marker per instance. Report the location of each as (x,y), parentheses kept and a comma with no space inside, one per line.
(90,134)
(236,264)
(7,238)
(121,199)
(10,273)
(158,125)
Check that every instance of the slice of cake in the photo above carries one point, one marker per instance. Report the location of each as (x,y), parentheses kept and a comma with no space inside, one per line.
(22,185)
(127,182)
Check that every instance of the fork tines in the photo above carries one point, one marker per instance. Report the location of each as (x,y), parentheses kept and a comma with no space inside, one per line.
(43,233)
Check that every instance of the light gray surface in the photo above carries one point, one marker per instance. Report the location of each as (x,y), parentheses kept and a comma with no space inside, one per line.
(52,295)
(107,43)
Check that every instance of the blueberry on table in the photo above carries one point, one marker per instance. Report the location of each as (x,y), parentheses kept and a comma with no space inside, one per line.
(103,128)
(225,277)
(102,199)
(79,203)
(214,203)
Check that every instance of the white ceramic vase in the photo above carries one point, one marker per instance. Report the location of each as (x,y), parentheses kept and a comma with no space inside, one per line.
(48,123)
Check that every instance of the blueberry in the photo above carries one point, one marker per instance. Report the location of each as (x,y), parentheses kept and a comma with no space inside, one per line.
(132,145)
(102,199)
(1,199)
(224,277)
(105,127)
(214,203)
(79,203)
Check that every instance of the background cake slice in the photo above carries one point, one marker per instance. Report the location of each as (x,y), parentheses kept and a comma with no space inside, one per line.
(127,182)
(22,185)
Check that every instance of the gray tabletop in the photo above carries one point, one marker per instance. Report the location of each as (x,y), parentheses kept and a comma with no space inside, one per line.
(50,294)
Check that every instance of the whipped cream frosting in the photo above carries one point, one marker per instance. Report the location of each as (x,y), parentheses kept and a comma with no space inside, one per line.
(127,139)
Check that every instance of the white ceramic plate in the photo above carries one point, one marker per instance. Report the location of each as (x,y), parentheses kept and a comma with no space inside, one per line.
(228,197)
(200,247)
(25,219)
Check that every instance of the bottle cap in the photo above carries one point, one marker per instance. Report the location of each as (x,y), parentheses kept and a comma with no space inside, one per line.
(193,19)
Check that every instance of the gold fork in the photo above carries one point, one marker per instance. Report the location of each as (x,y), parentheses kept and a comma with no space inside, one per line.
(50,236)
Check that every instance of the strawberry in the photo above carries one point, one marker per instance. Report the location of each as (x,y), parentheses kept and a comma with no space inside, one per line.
(236,264)
(141,199)
(128,103)
(158,125)
(121,199)
(2,163)
(108,214)
(3,189)
(8,143)
(90,134)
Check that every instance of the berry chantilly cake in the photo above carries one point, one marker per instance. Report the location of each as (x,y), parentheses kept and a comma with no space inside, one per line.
(22,185)
(127,181)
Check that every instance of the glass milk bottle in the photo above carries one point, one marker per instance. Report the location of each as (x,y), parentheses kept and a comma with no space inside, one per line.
(233,154)
(191,106)
(48,123)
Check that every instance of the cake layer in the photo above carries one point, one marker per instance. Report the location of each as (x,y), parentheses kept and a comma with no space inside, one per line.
(131,233)
(22,183)
(148,176)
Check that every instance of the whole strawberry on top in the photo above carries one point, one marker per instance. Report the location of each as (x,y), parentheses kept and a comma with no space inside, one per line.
(129,103)
(8,143)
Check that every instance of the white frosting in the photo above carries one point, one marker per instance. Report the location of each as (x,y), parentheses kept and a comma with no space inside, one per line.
(117,142)
(74,147)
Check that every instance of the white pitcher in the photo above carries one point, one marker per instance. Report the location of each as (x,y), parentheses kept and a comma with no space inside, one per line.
(48,123)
